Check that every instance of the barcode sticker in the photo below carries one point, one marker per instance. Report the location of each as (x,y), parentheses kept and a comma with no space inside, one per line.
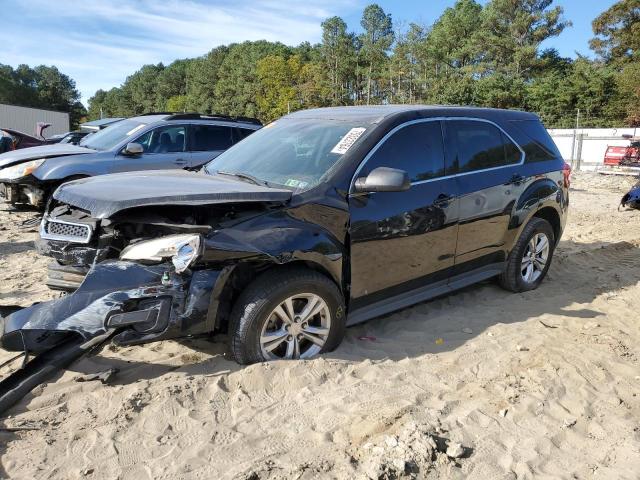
(348,140)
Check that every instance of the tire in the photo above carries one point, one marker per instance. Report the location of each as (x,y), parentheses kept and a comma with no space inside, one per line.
(517,277)
(254,316)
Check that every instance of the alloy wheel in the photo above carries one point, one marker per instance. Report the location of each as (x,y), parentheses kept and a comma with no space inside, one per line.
(535,258)
(297,328)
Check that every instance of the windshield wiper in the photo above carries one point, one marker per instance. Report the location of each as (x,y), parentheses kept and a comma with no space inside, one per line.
(244,176)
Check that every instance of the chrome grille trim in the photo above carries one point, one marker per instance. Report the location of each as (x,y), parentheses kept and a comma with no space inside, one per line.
(65,231)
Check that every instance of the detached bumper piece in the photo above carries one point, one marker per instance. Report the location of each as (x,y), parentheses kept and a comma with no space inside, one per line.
(40,369)
(125,301)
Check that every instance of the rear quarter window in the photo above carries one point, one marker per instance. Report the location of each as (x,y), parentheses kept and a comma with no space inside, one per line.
(480,146)
(534,139)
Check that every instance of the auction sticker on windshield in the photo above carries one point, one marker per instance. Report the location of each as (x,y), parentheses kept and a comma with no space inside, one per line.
(348,140)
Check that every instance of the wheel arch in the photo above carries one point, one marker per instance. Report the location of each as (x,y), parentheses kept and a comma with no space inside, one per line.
(239,276)
(551,215)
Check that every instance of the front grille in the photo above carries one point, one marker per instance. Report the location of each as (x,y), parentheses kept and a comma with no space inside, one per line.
(73,232)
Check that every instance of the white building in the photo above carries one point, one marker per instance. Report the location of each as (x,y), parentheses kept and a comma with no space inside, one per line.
(25,119)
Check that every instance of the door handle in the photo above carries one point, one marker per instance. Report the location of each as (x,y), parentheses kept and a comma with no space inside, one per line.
(517,179)
(180,161)
(443,200)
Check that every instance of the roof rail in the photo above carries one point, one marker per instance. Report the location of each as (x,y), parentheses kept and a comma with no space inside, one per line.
(212,116)
(155,113)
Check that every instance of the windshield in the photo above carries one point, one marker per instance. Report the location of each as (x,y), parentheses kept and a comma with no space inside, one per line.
(294,153)
(113,135)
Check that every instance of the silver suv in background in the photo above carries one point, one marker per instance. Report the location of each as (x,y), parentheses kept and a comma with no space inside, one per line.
(148,142)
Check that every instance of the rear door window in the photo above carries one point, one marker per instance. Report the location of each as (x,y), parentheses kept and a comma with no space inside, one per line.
(417,149)
(206,138)
(480,145)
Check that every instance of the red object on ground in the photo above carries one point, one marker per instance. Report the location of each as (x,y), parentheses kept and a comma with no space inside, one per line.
(623,156)
(614,155)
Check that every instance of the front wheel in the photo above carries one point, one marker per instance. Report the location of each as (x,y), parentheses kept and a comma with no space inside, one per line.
(530,258)
(286,314)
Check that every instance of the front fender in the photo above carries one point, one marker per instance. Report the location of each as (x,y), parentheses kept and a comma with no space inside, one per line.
(277,238)
(77,165)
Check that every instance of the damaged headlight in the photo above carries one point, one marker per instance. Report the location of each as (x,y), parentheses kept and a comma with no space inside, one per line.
(20,170)
(182,249)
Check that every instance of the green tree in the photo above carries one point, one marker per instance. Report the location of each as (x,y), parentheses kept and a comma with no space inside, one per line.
(338,55)
(41,87)
(376,40)
(617,31)
(629,88)
(453,42)
(177,103)
(142,87)
(202,76)
(513,31)
(237,88)
(171,83)
(277,93)
(408,64)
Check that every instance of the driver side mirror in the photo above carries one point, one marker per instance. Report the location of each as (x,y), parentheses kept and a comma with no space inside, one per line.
(383,179)
(133,149)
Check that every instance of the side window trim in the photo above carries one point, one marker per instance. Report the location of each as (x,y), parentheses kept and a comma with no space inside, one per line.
(445,140)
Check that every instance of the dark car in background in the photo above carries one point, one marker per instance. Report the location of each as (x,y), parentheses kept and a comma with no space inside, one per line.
(147,142)
(86,128)
(322,219)
(73,138)
(23,140)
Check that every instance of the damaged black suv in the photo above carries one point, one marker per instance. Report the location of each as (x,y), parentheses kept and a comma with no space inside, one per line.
(322,219)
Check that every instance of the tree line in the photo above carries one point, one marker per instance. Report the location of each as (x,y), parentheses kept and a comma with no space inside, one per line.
(41,87)
(472,54)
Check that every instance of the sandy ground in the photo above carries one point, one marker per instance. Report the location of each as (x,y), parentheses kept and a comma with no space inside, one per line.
(544,384)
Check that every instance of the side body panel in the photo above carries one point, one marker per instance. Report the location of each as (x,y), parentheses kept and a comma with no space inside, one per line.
(85,165)
(401,240)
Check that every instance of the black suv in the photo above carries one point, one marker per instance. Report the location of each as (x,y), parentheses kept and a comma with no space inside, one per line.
(322,219)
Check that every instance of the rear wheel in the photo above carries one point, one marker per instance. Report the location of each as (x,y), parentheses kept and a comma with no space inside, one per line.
(530,259)
(286,314)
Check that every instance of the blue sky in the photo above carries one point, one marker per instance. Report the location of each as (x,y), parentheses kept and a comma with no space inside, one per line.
(99,42)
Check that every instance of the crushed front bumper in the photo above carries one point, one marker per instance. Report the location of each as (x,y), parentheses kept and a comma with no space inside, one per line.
(141,303)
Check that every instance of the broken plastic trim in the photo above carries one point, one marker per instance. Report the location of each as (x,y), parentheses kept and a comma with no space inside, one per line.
(14,387)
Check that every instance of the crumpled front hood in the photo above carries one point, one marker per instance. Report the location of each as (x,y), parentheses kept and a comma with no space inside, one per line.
(105,195)
(44,151)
